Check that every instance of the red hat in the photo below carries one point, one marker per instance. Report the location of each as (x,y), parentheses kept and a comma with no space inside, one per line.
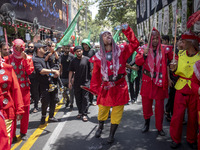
(190,36)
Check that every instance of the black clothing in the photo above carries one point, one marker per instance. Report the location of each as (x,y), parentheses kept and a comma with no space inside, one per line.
(65,61)
(89,53)
(48,98)
(81,67)
(39,64)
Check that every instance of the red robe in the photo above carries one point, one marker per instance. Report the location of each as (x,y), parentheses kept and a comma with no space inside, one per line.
(11,101)
(159,91)
(118,94)
(23,68)
(4,139)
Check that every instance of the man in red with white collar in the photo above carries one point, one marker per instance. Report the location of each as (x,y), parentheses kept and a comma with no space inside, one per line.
(108,78)
(11,103)
(154,80)
(23,67)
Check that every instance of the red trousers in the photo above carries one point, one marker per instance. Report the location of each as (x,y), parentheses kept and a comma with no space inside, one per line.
(181,102)
(23,122)
(159,110)
(198,109)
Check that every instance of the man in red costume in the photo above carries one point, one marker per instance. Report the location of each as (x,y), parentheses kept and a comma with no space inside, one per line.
(154,80)
(23,67)
(3,134)
(108,78)
(184,97)
(11,103)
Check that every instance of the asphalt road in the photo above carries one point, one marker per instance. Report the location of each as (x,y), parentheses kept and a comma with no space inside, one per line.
(73,134)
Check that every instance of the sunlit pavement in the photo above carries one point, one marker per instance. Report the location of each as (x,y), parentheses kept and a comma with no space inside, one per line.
(73,134)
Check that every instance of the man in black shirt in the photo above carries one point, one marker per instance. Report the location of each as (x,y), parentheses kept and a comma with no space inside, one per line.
(42,73)
(66,58)
(89,52)
(81,67)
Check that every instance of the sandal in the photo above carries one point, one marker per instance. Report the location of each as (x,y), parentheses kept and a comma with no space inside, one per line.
(79,116)
(85,118)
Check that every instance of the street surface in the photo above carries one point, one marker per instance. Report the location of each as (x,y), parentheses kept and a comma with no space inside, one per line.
(73,134)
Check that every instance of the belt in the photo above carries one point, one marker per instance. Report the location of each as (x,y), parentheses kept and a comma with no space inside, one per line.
(146,72)
(119,76)
(185,78)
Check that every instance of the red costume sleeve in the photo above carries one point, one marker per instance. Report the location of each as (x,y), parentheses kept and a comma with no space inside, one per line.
(17,95)
(195,84)
(28,65)
(139,59)
(96,80)
(133,42)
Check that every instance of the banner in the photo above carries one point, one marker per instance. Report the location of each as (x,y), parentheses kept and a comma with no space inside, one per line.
(146,8)
(165,27)
(184,16)
(160,21)
(196,8)
(147,27)
(155,20)
(174,11)
(50,13)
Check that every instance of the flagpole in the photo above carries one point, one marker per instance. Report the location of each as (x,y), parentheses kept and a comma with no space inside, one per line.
(175,39)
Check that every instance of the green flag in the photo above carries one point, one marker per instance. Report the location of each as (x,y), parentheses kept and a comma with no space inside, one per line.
(68,32)
(89,35)
(76,42)
(116,36)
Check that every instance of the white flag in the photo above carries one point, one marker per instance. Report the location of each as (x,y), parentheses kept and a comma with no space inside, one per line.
(151,22)
(174,8)
(160,21)
(148,8)
(184,15)
(196,8)
(165,27)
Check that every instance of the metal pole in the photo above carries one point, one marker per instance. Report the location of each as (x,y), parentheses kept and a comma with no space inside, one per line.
(86,16)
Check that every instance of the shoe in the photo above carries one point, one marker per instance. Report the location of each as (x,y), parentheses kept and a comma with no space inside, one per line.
(23,137)
(79,116)
(53,119)
(161,133)
(174,145)
(85,118)
(42,120)
(67,104)
(193,145)
(14,140)
(71,107)
(99,130)
(146,126)
(35,110)
(168,116)
(113,129)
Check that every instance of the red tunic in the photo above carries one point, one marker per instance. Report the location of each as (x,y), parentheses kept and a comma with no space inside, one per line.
(149,88)
(4,139)
(11,102)
(118,94)
(23,68)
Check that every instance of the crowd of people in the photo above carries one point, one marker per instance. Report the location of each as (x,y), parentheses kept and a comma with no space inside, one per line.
(36,72)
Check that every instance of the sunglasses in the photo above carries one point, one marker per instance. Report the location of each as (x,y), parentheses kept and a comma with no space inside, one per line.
(30,46)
